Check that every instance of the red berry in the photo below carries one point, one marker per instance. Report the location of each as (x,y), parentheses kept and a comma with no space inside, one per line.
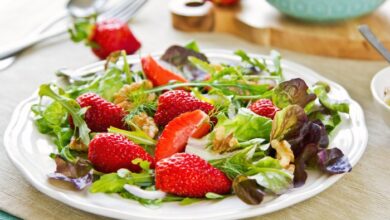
(101,114)
(188,175)
(264,107)
(157,73)
(113,35)
(173,103)
(109,152)
(225,2)
(175,135)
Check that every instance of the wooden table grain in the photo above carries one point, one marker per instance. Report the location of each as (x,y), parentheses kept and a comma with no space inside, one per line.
(362,194)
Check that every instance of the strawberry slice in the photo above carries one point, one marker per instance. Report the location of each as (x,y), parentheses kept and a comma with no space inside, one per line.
(157,73)
(174,137)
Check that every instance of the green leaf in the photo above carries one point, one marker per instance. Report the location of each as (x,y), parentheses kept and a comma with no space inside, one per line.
(189,201)
(193,46)
(72,107)
(269,174)
(202,65)
(137,136)
(150,203)
(236,165)
(144,164)
(262,65)
(211,195)
(81,29)
(321,89)
(246,125)
(108,183)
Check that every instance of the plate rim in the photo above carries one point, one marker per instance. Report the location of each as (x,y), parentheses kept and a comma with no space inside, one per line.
(96,209)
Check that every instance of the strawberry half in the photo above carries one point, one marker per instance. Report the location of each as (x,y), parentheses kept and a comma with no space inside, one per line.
(101,114)
(188,175)
(109,152)
(175,135)
(175,102)
(157,73)
(105,36)
(264,107)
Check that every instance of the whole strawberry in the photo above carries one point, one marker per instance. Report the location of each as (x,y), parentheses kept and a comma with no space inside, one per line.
(175,102)
(264,107)
(188,175)
(225,2)
(101,114)
(109,152)
(105,36)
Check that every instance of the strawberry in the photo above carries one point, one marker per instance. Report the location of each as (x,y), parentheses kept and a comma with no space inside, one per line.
(189,175)
(157,73)
(101,114)
(264,107)
(105,36)
(175,135)
(225,2)
(175,102)
(109,152)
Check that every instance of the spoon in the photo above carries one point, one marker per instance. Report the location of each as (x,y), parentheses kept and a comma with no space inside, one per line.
(74,8)
(374,41)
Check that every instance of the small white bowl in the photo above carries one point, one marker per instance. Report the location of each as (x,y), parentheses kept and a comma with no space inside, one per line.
(379,83)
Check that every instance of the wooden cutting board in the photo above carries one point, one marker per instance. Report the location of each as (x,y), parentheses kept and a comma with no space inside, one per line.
(258,22)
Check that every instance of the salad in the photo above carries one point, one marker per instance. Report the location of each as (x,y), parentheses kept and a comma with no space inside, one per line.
(387,96)
(182,129)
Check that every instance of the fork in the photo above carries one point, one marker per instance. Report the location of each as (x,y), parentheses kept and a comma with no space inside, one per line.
(125,10)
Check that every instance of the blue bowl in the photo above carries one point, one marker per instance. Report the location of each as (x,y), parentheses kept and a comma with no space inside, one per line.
(325,10)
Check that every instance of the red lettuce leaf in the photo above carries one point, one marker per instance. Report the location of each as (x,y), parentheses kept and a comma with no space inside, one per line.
(178,57)
(333,161)
(78,173)
(292,92)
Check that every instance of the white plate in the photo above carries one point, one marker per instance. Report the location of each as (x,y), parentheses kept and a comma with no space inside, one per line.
(379,83)
(29,150)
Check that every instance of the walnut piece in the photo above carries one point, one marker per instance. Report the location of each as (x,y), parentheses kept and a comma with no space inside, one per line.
(283,153)
(222,143)
(77,145)
(123,96)
(146,124)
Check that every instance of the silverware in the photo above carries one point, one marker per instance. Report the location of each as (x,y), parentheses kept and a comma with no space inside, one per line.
(123,10)
(374,41)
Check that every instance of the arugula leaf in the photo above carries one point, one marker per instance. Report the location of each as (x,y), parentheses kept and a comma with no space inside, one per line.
(193,46)
(252,61)
(53,120)
(108,183)
(321,89)
(150,203)
(72,107)
(137,136)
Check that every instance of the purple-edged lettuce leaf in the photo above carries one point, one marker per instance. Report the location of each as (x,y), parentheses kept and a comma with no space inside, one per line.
(333,161)
(78,173)
(292,92)
(288,123)
(306,155)
(178,57)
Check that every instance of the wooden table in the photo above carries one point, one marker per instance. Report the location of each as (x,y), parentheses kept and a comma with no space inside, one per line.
(362,194)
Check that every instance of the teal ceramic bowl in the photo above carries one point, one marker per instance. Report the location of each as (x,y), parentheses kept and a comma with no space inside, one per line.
(325,10)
